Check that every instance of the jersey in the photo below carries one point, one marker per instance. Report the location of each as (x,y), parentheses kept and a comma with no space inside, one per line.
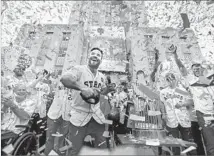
(203,96)
(61,103)
(81,112)
(171,97)
(42,91)
(12,81)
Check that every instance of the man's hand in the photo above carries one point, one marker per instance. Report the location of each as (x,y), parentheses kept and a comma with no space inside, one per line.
(87,92)
(173,49)
(8,102)
(178,106)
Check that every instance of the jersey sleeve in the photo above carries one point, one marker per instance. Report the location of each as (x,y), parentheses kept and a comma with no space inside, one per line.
(74,72)
(162,95)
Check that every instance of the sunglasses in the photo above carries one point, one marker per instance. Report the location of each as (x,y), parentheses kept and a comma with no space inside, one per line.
(20,69)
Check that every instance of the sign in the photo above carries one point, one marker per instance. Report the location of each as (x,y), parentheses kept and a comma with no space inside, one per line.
(114,66)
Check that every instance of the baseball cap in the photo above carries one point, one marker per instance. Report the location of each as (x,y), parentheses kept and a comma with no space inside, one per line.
(198,62)
(19,66)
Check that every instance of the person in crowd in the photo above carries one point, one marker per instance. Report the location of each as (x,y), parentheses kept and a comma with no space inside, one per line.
(86,119)
(141,78)
(58,118)
(203,105)
(17,77)
(122,97)
(19,110)
(176,100)
(195,130)
(42,90)
(202,91)
(170,64)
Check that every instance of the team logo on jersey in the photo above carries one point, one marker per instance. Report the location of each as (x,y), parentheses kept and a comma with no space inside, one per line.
(92,84)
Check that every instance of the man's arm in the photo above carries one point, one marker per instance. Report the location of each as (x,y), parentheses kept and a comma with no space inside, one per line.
(71,81)
(157,63)
(180,65)
(20,113)
(35,82)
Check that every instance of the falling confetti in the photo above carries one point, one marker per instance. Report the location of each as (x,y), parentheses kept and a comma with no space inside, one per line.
(57,134)
(101,143)
(77,133)
(39,121)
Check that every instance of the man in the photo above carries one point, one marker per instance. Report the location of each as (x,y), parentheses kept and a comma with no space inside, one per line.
(18,112)
(42,90)
(58,118)
(171,64)
(177,115)
(18,77)
(86,119)
(203,96)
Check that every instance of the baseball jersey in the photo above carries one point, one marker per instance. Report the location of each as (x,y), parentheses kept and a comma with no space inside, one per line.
(12,81)
(203,96)
(81,112)
(171,97)
(42,90)
(61,103)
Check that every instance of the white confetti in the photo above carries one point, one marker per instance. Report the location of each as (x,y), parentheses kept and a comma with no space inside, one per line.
(76,133)
(101,143)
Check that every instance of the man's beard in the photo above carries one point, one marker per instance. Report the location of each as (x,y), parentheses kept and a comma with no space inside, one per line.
(93,65)
(20,98)
(19,74)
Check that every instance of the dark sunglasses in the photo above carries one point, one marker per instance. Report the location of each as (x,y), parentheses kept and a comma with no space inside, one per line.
(20,69)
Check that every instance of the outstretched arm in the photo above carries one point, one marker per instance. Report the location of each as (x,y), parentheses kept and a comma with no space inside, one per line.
(180,65)
(19,112)
(71,81)
(157,63)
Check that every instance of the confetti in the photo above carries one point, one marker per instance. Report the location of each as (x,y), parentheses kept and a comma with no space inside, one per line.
(8,149)
(39,121)
(101,143)
(68,141)
(57,135)
(41,148)
(77,133)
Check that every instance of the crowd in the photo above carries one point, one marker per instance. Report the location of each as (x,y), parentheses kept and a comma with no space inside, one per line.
(81,101)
